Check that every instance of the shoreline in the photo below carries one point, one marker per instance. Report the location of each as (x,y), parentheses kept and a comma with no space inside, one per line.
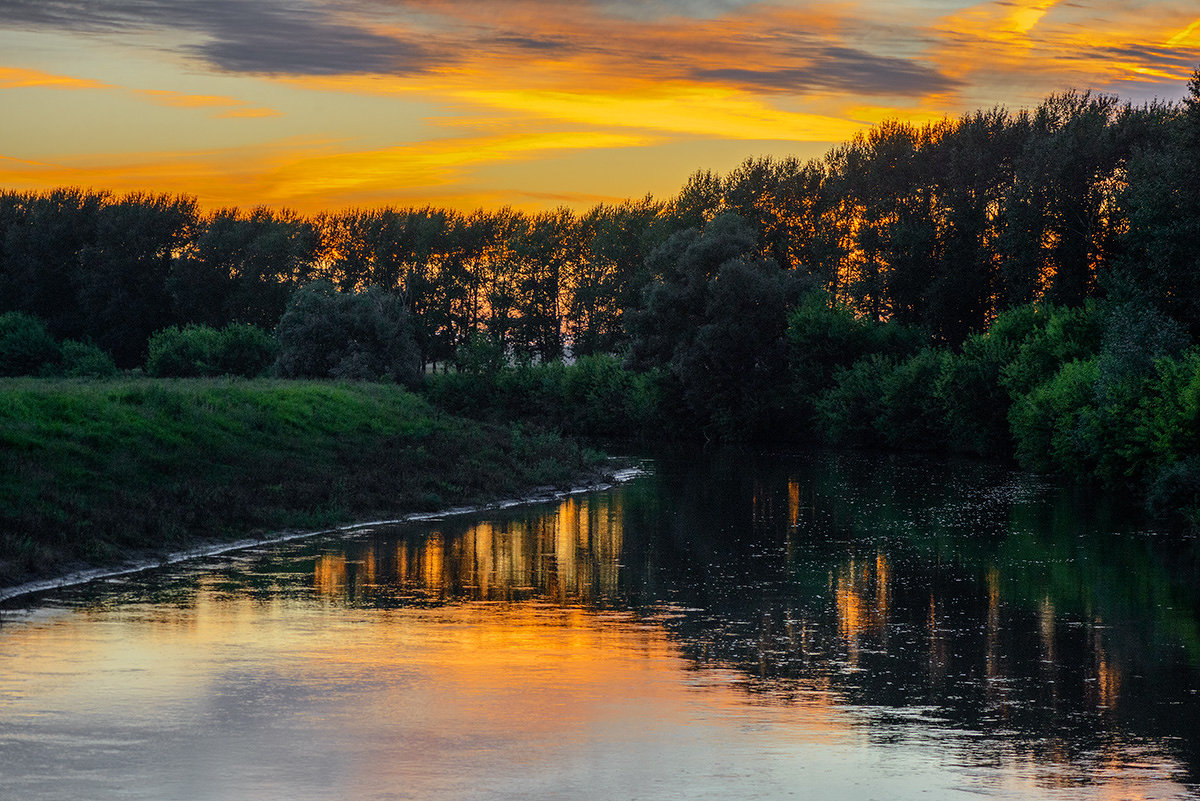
(535,496)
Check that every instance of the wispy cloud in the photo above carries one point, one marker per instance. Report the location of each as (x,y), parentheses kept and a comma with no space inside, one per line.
(17,78)
(263,36)
(1008,45)
(228,107)
(306,174)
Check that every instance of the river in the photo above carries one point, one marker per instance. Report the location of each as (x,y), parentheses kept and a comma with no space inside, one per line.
(731,626)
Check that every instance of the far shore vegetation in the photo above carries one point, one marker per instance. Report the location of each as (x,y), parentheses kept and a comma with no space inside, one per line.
(1019,285)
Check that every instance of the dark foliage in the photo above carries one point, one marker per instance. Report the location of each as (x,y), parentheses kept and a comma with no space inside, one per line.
(363,336)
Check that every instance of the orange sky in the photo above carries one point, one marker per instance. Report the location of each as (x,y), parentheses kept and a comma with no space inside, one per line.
(316,104)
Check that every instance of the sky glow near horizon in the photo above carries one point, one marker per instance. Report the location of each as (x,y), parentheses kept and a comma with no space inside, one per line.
(321,104)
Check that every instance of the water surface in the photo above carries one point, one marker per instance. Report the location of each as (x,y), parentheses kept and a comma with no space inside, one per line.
(732,626)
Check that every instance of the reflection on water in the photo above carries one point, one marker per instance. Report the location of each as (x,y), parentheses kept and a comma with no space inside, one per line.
(729,627)
(571,555)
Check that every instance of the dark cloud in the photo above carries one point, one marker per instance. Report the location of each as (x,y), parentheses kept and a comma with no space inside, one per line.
(255,36)
(663,9)
(310,37)
(1149,55)
(842,69)
(543,44)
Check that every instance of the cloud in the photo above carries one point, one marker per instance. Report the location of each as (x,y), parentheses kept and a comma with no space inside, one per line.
(249,113)
(260,36)
(710,41)
(230,107)
(18,78)
(844,69)
(1188,36)
(166,97)
(309,175)
(1020,50)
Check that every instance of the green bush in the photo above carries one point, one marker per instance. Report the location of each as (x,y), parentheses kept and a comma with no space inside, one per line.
(86,360)
(1058,336)
(1175,490)
(199,350)
(243,350)
(974,401)
(847,411)
(481,355)
(26,347)
(912,414)
(1045,422)
(185,352)
(596,396)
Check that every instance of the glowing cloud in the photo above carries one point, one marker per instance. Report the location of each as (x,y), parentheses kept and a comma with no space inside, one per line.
(423,97)
(18,78)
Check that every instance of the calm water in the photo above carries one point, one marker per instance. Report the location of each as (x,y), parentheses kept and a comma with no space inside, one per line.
(738,627)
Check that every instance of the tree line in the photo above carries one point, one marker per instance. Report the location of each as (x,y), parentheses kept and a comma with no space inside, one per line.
(943,226)
(1006,283)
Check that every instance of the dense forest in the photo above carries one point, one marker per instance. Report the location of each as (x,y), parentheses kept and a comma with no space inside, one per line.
(1006,283)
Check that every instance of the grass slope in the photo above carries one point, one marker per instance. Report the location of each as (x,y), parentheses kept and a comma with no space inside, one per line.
(94,472)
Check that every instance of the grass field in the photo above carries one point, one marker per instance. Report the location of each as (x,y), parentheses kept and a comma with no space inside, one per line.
(94,472)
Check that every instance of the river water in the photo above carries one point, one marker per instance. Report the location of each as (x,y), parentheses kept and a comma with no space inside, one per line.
(731,626)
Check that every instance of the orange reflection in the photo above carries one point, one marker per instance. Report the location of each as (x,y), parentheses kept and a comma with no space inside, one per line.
(572,555)
(862,596)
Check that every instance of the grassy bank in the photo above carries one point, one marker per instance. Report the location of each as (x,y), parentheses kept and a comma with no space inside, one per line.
(95,472)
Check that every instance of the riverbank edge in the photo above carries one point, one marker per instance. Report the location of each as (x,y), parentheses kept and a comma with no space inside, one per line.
(535,496)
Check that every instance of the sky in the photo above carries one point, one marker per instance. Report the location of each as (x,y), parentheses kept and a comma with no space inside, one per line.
(323,104)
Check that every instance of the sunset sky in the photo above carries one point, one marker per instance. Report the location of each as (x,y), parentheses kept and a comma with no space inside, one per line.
(315,104)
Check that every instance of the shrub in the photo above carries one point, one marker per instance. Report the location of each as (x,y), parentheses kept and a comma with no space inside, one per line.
(243,350)
(912,413)
(26,347)
(1059,335)
(847,411)
(1045,422)
(200,350)
(353,335)
(86,360)
(1176,490)
(185,352)
(825,336)
(481,354)
(975,404)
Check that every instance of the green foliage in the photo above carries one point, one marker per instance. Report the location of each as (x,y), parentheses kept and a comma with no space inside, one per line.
(847,411)
(185,352)
(1057,336)
(824,335)
(26,347)
(243,350)
(194,351)
(1045,421)
(481,355)
(85,360)
(969,390)
(361,336)
(596,396)
(715,319)
(912,411)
